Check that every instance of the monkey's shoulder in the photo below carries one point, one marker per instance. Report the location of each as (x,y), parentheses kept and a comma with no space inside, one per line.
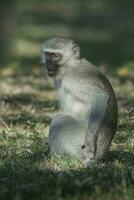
(88,75)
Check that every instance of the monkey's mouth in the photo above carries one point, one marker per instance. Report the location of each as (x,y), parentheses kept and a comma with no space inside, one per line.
(51,72)
(52,69)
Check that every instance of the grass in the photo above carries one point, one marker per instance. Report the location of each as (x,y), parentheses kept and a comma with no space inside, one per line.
(26,169)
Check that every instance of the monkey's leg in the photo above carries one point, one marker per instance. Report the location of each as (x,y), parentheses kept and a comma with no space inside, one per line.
(66,137)
(103,143)
(105,136)
(96,116)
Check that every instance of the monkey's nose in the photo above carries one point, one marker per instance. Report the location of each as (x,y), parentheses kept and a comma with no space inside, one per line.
(50,66)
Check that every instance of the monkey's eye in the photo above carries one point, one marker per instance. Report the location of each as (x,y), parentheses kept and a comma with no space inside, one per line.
(56,56)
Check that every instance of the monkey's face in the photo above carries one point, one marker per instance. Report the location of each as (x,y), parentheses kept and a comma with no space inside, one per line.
(51,61)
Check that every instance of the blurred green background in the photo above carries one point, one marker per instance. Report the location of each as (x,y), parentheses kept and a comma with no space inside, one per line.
(104,29)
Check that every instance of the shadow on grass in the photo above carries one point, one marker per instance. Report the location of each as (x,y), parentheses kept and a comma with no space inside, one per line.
(25,118)
(124,157)
(29,177)
(26,99)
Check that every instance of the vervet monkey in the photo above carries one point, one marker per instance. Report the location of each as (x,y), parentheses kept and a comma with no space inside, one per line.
(87,123)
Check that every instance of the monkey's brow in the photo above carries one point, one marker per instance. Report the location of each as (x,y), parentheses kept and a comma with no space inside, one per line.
(47,52)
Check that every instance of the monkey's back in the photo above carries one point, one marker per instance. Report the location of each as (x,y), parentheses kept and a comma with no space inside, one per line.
(108,126)
(91,77)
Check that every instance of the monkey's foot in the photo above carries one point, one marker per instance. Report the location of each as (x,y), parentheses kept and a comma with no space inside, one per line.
(89,160)
(88,156)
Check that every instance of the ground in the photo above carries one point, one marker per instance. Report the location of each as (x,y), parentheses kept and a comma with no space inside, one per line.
(27,104)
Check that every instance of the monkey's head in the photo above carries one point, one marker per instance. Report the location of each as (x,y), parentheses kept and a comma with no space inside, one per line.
(57,52)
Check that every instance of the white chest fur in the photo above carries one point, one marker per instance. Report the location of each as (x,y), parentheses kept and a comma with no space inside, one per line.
(70,104)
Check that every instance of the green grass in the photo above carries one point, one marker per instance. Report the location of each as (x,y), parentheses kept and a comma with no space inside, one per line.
(28,172)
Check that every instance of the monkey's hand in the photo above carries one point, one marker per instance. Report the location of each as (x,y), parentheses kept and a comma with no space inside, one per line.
(96,115)
(89,150)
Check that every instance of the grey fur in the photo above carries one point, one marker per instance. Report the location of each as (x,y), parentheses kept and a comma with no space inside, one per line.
(88,121)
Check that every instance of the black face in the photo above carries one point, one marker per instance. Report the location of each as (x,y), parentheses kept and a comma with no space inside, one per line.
(52,60)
